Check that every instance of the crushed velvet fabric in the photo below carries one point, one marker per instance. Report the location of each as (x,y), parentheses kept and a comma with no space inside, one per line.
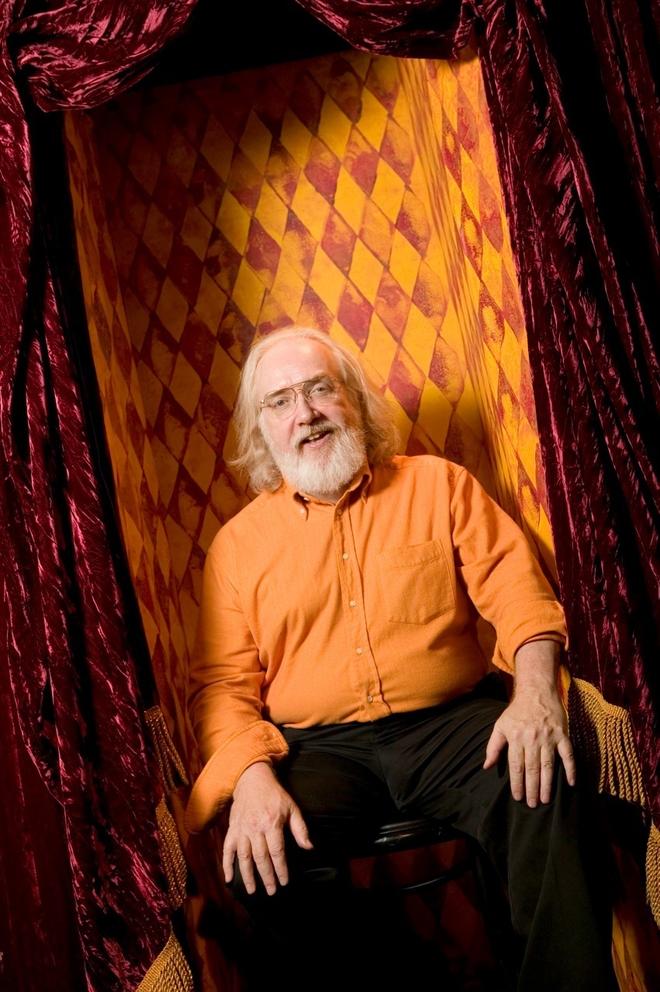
(77,679)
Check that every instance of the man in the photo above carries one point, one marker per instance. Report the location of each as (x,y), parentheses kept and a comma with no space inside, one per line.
(337,679)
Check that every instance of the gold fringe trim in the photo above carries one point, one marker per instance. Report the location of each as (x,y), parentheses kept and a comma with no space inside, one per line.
(170,972)
(174,863)
(653,872)
(169,760)
(602,733)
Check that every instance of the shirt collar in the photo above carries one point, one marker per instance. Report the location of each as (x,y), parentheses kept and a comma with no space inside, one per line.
(359,485)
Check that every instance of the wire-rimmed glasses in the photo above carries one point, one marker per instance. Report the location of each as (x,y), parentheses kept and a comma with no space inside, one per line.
(320,390)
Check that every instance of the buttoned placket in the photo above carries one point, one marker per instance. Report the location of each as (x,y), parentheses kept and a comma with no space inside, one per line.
(365,677)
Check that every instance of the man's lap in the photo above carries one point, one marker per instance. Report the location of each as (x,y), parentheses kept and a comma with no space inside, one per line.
(350,778)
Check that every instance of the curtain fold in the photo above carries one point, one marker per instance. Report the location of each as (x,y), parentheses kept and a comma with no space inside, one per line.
(574,105)
(574,100)
(78,672)
(414,28)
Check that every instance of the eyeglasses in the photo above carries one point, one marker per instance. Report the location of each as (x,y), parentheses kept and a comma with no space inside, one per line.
(318,391)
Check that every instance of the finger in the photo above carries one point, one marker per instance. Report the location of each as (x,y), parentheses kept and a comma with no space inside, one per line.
(496,744)
(228,854)
(246,865)
(299,829)
(516,770)
(276,850)
(565,749)
(261,858)
(547,769)
(532,775)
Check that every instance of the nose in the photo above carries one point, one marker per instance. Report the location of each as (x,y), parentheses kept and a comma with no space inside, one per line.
(305,411)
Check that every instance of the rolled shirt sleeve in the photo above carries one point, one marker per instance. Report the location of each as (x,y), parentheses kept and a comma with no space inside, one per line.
(500,572)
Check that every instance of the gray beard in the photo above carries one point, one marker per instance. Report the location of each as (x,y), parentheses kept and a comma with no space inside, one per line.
(323,477)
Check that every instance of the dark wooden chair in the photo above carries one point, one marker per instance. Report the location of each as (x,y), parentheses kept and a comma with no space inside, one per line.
(421,833)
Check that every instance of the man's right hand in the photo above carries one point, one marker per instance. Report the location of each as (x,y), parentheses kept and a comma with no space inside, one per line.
(260,811)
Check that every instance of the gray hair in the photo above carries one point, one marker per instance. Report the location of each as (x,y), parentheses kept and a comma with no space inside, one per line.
(253,457)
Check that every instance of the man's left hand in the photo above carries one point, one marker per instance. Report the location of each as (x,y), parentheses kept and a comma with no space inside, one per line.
(533,726)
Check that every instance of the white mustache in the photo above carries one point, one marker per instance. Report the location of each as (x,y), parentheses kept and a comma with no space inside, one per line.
(305,432)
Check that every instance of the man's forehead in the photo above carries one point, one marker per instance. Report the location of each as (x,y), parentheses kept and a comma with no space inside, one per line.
(292,361)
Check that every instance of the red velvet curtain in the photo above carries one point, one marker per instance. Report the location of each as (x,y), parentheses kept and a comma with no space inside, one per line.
(574,97)
(79,784)
(573,90)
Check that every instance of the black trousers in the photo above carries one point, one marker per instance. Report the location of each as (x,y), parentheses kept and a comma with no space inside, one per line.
(350,778)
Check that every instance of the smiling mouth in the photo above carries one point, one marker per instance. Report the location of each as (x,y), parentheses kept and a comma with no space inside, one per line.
(315,437)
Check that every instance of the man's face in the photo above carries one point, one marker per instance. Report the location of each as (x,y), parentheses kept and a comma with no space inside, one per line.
(318,447)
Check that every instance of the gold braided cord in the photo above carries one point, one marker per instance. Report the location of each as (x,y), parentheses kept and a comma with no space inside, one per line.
(174,863)
(653,872)
(169,760)
(170,972)
(602,733)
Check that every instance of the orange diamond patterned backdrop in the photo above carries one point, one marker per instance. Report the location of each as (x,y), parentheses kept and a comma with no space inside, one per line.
(139,488)
(455,145)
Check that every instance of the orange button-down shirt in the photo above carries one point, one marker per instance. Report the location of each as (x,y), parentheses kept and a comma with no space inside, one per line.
(316,613)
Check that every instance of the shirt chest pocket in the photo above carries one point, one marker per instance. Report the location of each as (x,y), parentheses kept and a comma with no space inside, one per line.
(415,582)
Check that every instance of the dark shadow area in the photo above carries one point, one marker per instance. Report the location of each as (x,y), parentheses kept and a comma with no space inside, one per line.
(222,38)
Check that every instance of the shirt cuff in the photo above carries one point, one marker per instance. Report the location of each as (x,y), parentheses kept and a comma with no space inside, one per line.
(261,741)
(544,622)
(547,635)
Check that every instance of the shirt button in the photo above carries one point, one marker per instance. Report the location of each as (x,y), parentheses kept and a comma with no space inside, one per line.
(358,650)
(370,699)
(339,513)
(345,556)
(352,602)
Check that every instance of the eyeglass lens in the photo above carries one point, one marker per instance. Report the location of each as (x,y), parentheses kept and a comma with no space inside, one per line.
(317,391)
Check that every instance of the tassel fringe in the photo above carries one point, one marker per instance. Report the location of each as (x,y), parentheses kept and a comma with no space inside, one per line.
(653,872)
(174,863)
(602,732)
(170,971)
(169,761)
(604,735)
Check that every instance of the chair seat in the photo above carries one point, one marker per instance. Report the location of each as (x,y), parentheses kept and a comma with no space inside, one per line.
(420,832)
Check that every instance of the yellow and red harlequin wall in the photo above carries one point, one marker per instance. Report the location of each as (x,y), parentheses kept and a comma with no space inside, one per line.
(353,193)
